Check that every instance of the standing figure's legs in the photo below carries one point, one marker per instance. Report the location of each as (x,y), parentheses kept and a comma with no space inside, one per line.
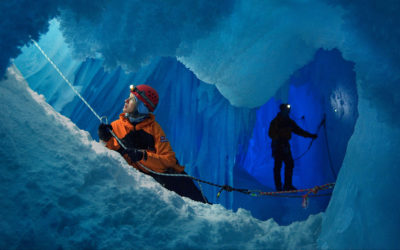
(277,173)
(289,165)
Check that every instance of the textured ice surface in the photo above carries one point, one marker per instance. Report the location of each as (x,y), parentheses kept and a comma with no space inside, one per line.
(239,45)
(62,189)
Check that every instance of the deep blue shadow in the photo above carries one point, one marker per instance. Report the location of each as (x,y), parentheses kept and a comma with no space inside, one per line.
(324,87)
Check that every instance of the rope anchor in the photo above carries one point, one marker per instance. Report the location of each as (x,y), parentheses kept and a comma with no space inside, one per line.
(226,188)
(315,190)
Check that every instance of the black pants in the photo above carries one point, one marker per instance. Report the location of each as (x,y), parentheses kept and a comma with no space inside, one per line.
(281,153)
(183,186)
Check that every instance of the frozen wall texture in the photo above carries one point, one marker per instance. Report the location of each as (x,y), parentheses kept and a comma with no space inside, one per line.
(322,91)
(203,128)
(212,138)
(21,21)
(252,49)
(68,191)
(363,210)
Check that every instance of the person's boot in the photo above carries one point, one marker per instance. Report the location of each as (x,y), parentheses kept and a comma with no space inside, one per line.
(289,187)
(288,179)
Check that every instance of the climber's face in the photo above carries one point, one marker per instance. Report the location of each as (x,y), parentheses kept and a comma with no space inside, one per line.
(130,104)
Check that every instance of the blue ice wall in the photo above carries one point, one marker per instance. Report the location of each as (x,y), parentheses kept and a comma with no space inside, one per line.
(203,128)
(323,89)
(214,140)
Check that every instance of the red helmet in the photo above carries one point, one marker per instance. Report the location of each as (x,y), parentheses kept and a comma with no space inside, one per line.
(146,94)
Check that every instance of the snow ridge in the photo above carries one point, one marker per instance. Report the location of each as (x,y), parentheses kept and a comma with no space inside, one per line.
(62,189)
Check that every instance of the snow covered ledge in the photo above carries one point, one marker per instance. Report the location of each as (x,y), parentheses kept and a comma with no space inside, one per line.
(62,189)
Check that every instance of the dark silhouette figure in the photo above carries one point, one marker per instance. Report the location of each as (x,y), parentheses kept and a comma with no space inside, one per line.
(280,131)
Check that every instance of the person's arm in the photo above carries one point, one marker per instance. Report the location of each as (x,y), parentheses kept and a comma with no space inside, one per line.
(106,136)
(163,157)
(299,131)
(114,145)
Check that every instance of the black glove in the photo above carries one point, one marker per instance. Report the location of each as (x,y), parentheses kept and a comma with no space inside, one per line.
(136,154)
(104,132)
(314,136)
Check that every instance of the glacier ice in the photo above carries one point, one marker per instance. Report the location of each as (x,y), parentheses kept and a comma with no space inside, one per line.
(197,119)
(61,189)
(365,32)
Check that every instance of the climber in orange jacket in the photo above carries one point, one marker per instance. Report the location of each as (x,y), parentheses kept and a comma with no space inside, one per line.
(280,131)
(146,142)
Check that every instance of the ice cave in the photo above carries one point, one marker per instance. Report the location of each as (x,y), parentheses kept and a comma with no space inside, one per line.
(221,70)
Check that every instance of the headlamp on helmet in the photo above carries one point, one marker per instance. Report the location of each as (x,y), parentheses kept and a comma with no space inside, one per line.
(285,106)
(146,94)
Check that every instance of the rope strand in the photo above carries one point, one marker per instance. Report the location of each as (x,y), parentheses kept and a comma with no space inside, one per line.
(329,153)
(65,79)
(312,141)
(76,92)
(222,187)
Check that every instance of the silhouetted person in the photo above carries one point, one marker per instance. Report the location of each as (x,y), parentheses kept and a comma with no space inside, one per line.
(280,131)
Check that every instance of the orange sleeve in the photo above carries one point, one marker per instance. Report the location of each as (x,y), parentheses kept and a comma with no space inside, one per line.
(163,157)
(112,143)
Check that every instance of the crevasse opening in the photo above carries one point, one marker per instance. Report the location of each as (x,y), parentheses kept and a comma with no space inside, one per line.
(323,90)
(232,44)
(199,121)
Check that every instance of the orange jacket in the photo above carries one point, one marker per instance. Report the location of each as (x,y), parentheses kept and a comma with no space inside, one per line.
(160,156)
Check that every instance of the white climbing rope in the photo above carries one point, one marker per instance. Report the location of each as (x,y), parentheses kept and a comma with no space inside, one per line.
(74,89)
(65,79)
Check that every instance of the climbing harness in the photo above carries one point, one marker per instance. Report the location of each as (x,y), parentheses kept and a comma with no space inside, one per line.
(311,192)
